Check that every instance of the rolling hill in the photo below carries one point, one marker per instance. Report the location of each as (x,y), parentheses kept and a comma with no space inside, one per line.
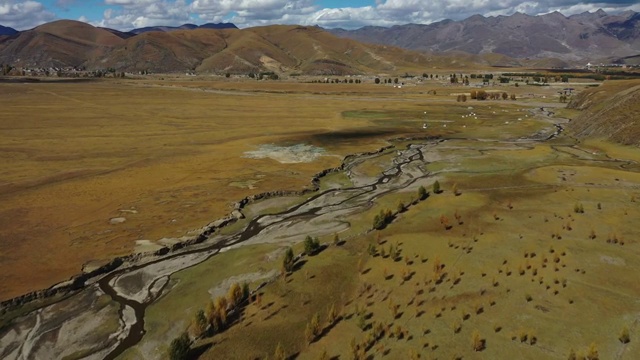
(582,37)
(276,48)
(58,44)
(610,111)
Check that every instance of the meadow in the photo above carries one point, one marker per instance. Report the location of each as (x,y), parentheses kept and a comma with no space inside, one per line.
(528,251)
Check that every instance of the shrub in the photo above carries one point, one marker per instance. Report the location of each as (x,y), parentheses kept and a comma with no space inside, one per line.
(624,335)
(179,348)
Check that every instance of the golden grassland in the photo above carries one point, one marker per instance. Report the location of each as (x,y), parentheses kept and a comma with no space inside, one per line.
(537,253)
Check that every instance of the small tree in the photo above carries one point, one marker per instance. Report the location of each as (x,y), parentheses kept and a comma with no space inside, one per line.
(332,315)
(444,221)
(377,81)
(454,189)
(179,348)
(592,353)
(279,354)
(422,193)
(505,96)
(401,207)
(246,291)
(436,187)
(287,262)
(199,324)
(221,306)
(336,239)
(234,294)
(477,341)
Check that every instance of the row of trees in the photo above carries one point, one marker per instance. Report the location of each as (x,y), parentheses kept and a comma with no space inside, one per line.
(386,81)
(483,95)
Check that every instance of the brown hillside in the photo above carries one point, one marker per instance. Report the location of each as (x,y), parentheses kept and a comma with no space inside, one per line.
(610,111)
(58,44)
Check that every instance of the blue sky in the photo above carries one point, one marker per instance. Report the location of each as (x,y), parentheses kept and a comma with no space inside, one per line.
(129,14)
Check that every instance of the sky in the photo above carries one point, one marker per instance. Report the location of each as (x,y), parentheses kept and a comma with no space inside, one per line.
(349,14)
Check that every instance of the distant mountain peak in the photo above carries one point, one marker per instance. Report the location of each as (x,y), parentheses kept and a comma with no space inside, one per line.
(601,13)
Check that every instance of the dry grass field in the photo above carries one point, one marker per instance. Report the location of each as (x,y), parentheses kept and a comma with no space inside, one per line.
(169,156)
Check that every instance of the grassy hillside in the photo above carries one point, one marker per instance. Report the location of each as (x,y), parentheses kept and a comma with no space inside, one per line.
(610,111)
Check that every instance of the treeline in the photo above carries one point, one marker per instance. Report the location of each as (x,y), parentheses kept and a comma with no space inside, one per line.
(337,81)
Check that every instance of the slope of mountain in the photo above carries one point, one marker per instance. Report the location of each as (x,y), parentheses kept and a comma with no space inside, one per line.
(610,111)
(4,30)
(180,50)
(586,36)
(184,27)
(277,48)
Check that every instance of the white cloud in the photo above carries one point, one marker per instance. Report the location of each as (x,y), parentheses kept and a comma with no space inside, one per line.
(23,15)
(129,14)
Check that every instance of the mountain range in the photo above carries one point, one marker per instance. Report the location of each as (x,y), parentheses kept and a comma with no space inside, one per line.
(590,36)
(275,48)
(550,40)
